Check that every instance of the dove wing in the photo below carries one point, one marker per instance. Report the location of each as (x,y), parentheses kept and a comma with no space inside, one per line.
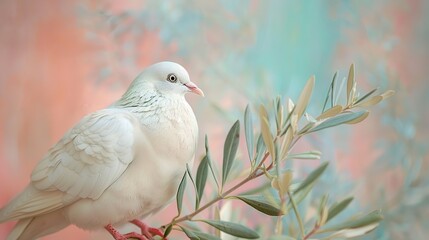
(83,164)
(90,157)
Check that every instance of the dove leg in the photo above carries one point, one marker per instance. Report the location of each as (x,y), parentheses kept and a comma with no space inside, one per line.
(118,236)
(148,231)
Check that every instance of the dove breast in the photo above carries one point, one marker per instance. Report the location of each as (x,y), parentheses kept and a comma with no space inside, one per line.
(161,150)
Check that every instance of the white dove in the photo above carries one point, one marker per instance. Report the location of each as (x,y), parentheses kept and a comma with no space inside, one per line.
(117,165)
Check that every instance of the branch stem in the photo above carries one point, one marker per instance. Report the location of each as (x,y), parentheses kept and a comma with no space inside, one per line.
(313,231)
(252,176)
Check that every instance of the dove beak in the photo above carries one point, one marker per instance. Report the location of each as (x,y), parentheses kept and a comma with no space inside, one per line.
(193,88)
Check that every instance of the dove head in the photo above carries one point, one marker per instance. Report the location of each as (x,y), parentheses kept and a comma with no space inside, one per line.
(167,78)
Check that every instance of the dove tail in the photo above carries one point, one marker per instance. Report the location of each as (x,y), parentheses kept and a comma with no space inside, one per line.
(35,227)
(19,228)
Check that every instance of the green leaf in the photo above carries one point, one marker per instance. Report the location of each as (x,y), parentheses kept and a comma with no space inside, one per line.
(387,94)
(370,102)
(323,211)
(352,233)
(304,98)
(180,191)
(336,208)
(305,155)
(260,203)
(201,178)
(234,229)
(168,230)
(330,92)
(197,198)
(260,149)
(350,84)
(230,150)
(210,163)
(330,112)
(337,120)
(191,235)
(312,177)
(248,130)
(205,236)
(366,96)
(266,132)
(371,218)
(278,113)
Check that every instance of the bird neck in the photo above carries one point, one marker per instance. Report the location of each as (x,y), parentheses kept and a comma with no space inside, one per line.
(148,100)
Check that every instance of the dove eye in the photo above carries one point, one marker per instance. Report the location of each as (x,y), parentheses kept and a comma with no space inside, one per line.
(172,78)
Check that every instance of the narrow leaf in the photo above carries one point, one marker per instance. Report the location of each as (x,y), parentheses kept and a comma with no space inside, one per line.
(201,178)
(370,102)
(312,177)
(323,211)
(191,235)
(287,140)
(371,218)
(290,106)
(306,155)
(337,120)
(260,149)
(217,218)
(359,119)
(304,98)
(350,84)
(180,191)
(260,203)
(230,150)
(279,114)
(365,96)
(388,94)
(266,133)
(168,230)
(352,233)
(330,112)
(307,127)
(197,198)
(248,130)
(209,163)
(330,92)
(234,229)
(205,236)
(336,208)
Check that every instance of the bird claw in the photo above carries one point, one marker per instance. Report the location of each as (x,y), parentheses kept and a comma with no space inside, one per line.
(147,231)
(118,236)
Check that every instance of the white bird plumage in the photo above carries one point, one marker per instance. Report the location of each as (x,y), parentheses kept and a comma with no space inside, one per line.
(117,164)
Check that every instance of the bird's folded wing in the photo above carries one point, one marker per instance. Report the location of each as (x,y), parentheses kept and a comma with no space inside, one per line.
(83,164)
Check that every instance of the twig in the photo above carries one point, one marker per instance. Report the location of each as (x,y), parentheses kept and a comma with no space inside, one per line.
(252,176)
(313,231)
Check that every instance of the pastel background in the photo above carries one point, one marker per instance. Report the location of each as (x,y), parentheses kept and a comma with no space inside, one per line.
(60,60)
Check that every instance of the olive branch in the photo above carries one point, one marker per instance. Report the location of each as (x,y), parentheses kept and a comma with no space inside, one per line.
(267,154)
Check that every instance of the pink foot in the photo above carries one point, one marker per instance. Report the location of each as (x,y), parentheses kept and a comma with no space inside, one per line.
(147,231)
(118,236)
